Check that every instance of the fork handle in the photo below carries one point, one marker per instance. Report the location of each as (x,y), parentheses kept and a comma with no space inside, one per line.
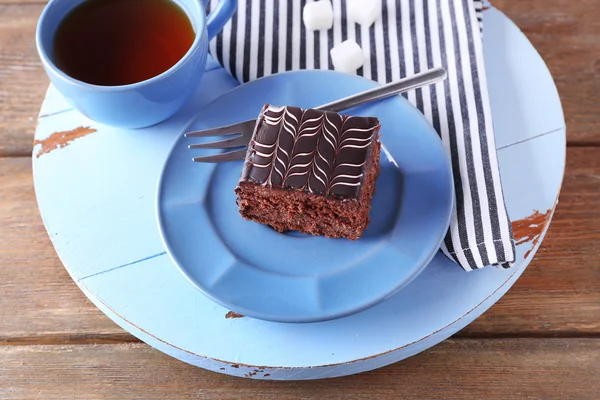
(413,82)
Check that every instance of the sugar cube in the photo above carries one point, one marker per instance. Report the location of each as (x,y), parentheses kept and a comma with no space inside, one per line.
(318,15)
(347,56)
(364,12)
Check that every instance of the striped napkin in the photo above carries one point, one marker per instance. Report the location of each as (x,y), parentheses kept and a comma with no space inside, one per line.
(267,36)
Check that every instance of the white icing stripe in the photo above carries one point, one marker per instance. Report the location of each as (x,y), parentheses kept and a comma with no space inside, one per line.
(287,112)
(347,176)
(289,128)
(329,141)
(300,165)
(268,146)
(275,114)
(323,158)
(265,155)
(321,180)
(335,128)
(310,129)
(351,165)
(280,160)
(295,174)
(352,146)
(320,170)
(273,120)
(355,140)
(278,171)
(302,155)
(307,135)
(260,165)
(284,152)
(311,120)
(357,130)
(344,184)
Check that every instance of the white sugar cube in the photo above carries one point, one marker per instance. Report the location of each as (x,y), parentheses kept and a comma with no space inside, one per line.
(347,56)
(364,12)
(318,15)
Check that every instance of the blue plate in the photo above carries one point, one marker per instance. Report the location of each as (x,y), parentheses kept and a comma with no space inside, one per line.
(258,272)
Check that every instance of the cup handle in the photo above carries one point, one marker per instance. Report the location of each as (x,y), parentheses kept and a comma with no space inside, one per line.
(218,17)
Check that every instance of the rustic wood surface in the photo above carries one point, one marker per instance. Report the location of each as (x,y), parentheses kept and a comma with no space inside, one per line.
(541,340)
(456,369)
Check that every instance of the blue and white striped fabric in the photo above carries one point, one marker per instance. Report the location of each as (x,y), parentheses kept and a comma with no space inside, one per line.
(267,36)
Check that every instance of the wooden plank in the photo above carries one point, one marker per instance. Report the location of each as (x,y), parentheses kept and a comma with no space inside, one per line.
(23,81)
(558,295)
(38,298)
(22,2)
(456,369)
(567,36)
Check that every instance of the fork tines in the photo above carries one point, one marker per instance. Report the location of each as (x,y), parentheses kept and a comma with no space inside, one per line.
(243,132)
(223,157)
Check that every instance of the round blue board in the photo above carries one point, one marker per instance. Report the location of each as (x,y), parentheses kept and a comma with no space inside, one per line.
(258,272)
(96,189)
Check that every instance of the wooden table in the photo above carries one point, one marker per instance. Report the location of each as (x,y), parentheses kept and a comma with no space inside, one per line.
(542,340)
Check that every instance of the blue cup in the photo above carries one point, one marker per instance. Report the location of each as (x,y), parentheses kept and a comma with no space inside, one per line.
(143,103)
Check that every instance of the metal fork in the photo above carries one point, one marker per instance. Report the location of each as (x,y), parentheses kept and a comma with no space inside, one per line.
(244,130)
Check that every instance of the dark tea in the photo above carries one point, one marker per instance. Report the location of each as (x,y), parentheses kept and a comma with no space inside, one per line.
(119,42)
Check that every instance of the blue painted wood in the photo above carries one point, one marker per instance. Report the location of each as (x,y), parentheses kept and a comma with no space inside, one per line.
(96,196)
(107,178)
(235,329)
(530,170)
(507,53)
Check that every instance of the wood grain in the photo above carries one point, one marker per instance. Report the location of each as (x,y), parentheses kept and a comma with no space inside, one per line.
(23,81)
(456,369)
(23,2)
(558,295)
(566,34)
(38,300)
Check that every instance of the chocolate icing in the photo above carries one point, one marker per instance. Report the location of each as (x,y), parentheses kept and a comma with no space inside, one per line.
(314,151)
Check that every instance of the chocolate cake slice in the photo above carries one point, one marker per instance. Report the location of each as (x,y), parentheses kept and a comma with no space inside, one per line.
(310,171)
